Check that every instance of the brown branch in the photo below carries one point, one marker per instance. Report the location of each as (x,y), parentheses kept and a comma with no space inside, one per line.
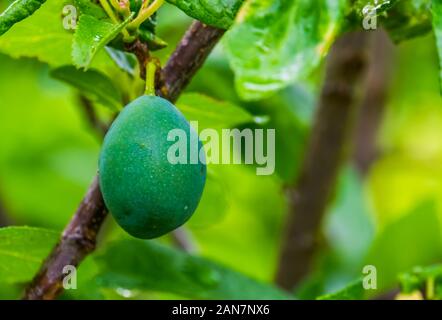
(187,58)
(372,107)
(79,237)
(141,51)
(77,241)
(328,141)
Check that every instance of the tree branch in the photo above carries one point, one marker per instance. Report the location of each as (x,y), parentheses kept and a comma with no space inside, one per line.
(79,237)
(77,241)
(190,54)
(328,142)
(372,107)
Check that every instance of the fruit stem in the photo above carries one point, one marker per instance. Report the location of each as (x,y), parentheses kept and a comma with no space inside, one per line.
(116,5)
(126,8)
(151,69)
(111,14)
(108,9)
(121,6)
(145,13)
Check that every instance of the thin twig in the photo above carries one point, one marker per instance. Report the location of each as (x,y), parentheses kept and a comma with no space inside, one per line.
(79,237)
(141,51)
(328,142)
(176,75)
(77,241)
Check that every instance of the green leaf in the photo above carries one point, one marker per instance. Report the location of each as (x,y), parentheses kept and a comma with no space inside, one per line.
(153,42)
(90,8)
(42,36)
(420,278)
(384,5)
(276,42)
(125,61)
(146,265)
(418,233)
(379,6)
(349,228)
(414,279)
(22,250)
(252,218)
(217,13)
(215,191)
(17,11)
(211,113)
(92,83)
(437,27)
(55,151)
(408,19)
(92,35)
(354,291)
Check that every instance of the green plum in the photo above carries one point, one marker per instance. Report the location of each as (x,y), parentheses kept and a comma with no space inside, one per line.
(148,195)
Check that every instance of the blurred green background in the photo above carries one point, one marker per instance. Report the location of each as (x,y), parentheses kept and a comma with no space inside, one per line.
(390,219)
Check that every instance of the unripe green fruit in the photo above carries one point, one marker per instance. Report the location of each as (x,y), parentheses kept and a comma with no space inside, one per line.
(146,194)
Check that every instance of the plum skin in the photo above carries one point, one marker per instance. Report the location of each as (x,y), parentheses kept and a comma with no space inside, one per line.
(147,195)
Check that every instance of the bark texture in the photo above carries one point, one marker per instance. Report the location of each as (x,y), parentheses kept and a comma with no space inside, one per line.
(326,149)
(372,108)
